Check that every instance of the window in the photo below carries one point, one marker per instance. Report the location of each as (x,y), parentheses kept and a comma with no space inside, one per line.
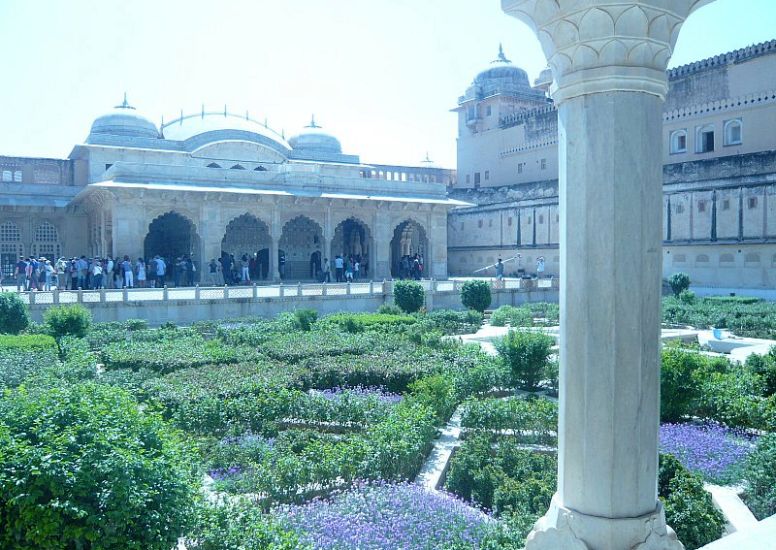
(678,142)
(479,223)
(9,232)
(509,221)
(702,259)
(704,139)
(701,206)
(679,209)
(17,176)
(213,165)
(752,202)
(468,180)
(529,220)
(108,166)
(262,169)
(520,166)
(488,111)
(487,175)
(476,178)
(733,132)
(7,175)
(726,204)
(544,164)
(541,218)
(490,222)
(46,241)
(237,167)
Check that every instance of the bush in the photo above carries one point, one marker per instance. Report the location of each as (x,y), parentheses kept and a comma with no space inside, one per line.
(527,355)
(679,391)
(389,309)
(169,355)
(14,316)
(305,319)
(82,466)
(239,525)
(529,420)
(409,295)
(688,507)
(687,297)
(436,392)
(764,366)
(512,316)
(679,283)
(24,355)
(475,294)
(359,322)
(72,320)
(449,321)
(760,475)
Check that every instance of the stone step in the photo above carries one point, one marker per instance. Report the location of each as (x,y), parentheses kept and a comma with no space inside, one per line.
(761,536)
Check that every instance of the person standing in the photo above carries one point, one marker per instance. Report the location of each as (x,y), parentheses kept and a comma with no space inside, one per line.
(245,270)
(108,273)
(540,267)
(126,266)
(140,265)
(82,267)
(61,268)
(97,273)
(20,271)
(161,270)
(356,269)
(339,268)
(326,271)
(282,265)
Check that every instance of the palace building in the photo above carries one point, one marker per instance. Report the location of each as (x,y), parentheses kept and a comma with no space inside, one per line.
(214,183)
(719,176)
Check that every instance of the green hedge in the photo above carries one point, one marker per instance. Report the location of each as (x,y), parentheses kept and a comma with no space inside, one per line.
(169,355)
(745,317)
(532,420)
(359,322)
(760,477)
(527,355)
(22,356)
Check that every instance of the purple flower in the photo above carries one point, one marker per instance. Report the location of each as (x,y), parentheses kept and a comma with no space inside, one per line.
(715,452)
(379,516)
(379,392)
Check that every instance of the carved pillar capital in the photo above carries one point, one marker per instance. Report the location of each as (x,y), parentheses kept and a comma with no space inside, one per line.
(596,46)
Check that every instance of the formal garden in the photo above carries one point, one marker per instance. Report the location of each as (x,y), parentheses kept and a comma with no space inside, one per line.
(309,432)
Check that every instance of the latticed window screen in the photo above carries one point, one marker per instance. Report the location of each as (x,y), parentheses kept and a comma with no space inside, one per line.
(46,241)
(9,232)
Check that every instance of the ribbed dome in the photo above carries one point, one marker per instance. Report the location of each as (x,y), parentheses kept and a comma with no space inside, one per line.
(502,73)
(312,138)
(124,120)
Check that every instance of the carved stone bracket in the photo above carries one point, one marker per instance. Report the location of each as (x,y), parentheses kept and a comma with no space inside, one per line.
(595,46)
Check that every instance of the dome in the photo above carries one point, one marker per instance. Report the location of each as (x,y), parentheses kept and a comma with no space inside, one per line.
(501,72)
(124,120)
(544,81)
(220,125)
(313,139)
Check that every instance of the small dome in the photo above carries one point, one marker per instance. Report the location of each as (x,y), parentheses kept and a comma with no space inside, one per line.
(544,81)
(502,73)
(313,139)
(124,120)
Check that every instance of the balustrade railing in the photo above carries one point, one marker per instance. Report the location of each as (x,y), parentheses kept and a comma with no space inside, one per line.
(279,291)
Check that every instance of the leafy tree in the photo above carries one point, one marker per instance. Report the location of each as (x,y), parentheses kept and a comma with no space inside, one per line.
(72,320)
(679,282)
(527,355)
(409,295)
(760,475)
(14,316)
(83,467)
(475,294)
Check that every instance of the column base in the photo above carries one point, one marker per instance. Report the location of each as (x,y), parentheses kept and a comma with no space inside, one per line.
(565,529)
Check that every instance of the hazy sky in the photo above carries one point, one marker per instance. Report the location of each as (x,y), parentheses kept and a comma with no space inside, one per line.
(379,74)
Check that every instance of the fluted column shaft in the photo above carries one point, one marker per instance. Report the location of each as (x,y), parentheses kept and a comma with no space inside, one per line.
(608,59)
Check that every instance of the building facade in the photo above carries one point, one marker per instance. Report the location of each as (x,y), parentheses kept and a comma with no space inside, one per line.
(215,183)
(719,177)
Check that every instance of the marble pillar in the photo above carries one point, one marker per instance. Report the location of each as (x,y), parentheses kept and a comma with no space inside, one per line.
(608,60)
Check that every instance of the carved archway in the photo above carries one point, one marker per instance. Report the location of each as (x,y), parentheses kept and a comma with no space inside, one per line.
(247,235)
(353,238)
(300,239)
(172,236)
(409,239)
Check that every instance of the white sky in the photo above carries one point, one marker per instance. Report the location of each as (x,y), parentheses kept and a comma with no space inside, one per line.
(381,75)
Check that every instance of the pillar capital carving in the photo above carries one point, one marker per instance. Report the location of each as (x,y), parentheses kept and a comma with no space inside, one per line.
(595,46)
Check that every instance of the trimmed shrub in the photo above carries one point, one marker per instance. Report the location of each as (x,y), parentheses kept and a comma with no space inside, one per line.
(679,282)
(409,295)
(14,316)
(72,320)
(83,465)
(359,322)
(305,319)
(760,475)
(170,355)
(239,525)
(529,420)
(688,507)
(389,309)
(24,355)
(527,355)
(475,294)
(687,297)
(512,316)
(449,321)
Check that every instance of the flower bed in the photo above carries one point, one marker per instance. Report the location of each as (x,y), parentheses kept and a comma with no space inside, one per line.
(169,355)
(711,450)
(386,517)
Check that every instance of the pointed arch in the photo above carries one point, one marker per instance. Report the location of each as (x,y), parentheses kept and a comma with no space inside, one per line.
(409,239)
(300,246)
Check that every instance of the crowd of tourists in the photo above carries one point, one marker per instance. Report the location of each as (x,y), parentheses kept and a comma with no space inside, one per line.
(231,270)
(33,274)
(411,267)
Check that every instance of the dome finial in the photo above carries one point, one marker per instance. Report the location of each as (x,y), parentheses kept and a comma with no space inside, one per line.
(312,123)
(124,104)
(427,160)
(203,110)
(501,57)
